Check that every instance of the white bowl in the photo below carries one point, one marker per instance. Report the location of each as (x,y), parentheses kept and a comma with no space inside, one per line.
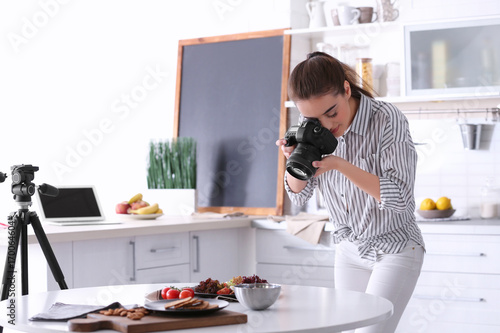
(257,296)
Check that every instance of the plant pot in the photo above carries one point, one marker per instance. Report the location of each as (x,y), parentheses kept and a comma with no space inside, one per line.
(173,201)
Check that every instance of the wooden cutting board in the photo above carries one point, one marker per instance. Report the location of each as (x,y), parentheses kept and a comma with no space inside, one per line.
(155,323)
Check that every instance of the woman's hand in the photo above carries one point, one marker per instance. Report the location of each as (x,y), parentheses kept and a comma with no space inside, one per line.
(327,163)
(287,151)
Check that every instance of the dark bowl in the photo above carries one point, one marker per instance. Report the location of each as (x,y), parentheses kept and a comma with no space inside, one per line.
(436,213)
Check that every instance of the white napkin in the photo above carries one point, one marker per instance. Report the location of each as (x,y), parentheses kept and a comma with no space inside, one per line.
(63,311)
(309,227)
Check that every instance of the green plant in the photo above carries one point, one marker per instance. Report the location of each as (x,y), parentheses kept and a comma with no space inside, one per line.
(172,164)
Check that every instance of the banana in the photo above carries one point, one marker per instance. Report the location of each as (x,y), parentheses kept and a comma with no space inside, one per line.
(152,209)
(135,198)
(159,211)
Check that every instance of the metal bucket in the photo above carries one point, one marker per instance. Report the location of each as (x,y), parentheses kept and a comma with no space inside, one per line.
(471,135)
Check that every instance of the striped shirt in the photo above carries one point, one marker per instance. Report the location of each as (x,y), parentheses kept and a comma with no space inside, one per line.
(377,141)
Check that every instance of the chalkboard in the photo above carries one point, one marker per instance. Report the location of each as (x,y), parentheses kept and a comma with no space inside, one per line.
(231,92)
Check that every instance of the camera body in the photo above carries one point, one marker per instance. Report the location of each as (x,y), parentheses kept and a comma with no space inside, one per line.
(313,141)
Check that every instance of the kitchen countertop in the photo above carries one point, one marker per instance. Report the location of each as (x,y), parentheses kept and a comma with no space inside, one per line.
(173,224)
(129,228)
(469,227)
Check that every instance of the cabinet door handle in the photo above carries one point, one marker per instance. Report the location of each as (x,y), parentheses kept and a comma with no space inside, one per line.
(196,240)
(163,249)
(304,248)
(477,254)
(458,299)
(133,260)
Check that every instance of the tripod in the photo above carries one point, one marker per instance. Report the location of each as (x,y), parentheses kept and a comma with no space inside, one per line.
(19,222)
(18,235)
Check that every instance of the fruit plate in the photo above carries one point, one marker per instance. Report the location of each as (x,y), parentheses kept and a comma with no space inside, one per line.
(160,306)
(140,217)
(436,213)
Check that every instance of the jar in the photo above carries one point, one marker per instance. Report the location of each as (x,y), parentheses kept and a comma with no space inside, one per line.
(364,68)
(490,199)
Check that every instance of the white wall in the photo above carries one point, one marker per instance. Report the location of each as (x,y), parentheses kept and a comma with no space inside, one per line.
(67,68)
(85,85)
(445,168)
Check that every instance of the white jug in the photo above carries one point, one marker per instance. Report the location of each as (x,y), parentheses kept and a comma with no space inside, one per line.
(386,11)
(316,14)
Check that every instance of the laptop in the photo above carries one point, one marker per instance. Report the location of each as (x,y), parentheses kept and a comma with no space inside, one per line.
(74,205)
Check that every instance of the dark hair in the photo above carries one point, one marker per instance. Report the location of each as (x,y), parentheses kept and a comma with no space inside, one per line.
(322,74)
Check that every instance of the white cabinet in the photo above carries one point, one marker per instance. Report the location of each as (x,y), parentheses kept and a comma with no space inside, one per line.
(459,287)
(141,259)
(286,259)
(102,262)
(221,254)
(161,258)
(165,274)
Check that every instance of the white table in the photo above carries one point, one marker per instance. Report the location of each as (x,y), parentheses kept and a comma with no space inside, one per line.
(298,309)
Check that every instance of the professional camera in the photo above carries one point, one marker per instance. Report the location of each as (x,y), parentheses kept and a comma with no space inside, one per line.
(313,141)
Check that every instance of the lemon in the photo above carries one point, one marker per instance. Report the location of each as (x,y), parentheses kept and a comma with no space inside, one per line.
(427,204)
(443,203)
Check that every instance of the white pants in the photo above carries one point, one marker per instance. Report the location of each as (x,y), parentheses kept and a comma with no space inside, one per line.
(393,277)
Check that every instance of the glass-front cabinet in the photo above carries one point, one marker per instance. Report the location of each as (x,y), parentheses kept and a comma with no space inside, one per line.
(453,59)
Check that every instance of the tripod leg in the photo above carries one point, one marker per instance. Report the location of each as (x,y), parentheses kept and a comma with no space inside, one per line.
(47,251)
(14,232)
(24,257)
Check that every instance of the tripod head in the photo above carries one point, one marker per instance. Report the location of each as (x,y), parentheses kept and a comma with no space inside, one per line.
(23,187)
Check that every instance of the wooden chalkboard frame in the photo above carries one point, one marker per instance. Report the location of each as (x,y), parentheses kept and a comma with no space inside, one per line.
(280,192)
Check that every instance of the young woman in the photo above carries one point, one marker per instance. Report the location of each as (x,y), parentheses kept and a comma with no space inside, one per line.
(367,183)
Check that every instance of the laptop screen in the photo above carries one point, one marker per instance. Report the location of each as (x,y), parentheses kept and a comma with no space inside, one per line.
(77,203)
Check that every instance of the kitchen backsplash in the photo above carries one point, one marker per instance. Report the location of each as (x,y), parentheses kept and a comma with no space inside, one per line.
(445,168)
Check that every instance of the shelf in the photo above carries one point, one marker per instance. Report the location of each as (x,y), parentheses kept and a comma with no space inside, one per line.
(371,28)
(436,97)
(424,98)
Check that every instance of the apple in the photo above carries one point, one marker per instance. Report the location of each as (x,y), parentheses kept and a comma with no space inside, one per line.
(138,204)
(122,208)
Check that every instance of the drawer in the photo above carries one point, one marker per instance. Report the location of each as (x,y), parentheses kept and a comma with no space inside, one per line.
(168,274)
(422,313)
(297,274)
(468,299)
(462,253)
(161,250)
(280,247)
(459,280)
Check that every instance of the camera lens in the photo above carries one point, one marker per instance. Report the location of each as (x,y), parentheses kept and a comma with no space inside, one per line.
(299,173)
(299,164)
